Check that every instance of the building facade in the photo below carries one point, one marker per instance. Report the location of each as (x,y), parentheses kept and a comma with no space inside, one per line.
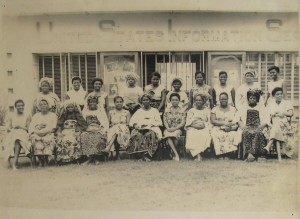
(97,40)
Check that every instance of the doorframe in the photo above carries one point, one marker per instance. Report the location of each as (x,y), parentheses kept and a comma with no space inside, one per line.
(136,61)
(209,63)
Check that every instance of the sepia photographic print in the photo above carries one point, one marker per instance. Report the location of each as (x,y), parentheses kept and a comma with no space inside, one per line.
(145,109)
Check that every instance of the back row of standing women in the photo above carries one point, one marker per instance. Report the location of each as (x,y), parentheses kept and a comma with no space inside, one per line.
(83,126)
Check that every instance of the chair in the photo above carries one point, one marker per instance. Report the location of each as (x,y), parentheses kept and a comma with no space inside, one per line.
(22,154)
(276,147)
(33,156)
(180,147)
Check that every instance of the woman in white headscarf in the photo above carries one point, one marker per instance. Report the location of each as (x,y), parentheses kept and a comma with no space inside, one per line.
(241,100)
(46,93)
(77,94)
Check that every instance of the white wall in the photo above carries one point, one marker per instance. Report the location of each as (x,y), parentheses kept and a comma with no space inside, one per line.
(27,35)
(50,7)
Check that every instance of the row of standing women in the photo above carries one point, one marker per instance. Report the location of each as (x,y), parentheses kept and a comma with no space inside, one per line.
(83,126)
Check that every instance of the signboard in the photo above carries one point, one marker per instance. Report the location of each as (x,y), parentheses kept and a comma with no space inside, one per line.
(116,67)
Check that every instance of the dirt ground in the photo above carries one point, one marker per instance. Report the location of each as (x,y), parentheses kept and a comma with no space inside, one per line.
(127,185)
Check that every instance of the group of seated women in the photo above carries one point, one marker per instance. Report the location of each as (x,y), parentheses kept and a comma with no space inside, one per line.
(82,128)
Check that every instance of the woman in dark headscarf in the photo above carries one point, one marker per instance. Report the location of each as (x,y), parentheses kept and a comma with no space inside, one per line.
(94,139)
(70,124)
(253,121)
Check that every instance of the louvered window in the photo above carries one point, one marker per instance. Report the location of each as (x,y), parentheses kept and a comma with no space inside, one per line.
(63,67)
(289,69)
(49,66)
(171,65)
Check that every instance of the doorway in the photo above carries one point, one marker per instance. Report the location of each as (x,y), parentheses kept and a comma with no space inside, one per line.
(231,62)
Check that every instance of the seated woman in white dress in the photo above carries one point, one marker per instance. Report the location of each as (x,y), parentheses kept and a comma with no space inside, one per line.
(280,110)
(197,127)
(174,120)
(224,131)
(118,133)
(131,93)
(146,134)
(17,138)
(41,132)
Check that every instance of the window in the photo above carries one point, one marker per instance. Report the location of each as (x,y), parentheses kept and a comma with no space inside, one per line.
(62,67)
(171,65)
(289,69)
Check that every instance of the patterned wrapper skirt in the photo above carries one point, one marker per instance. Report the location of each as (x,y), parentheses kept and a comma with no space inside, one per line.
(225,142)
(143,141)
(253,140)
(43,145)
(121,132)
(155,103)
(176,134)
(197,140)
(68,146)
(92,142)
(11,138)
(283,131)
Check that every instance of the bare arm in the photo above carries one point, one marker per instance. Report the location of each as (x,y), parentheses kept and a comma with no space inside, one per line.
(214,97)
(67,96)
(128,118)
(165,121)
(163,99)
(233,96)
(191,99)
(216,122)
(210,99)
(106,104)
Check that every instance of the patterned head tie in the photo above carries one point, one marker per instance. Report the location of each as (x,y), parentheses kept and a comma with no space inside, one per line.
(249,71)
(255,93)
(177,79)
(70,103)
(133,76)
(145,96)
(92,97)
(204,97)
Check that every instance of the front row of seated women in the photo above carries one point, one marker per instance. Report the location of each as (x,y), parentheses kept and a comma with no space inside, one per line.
(75,134)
